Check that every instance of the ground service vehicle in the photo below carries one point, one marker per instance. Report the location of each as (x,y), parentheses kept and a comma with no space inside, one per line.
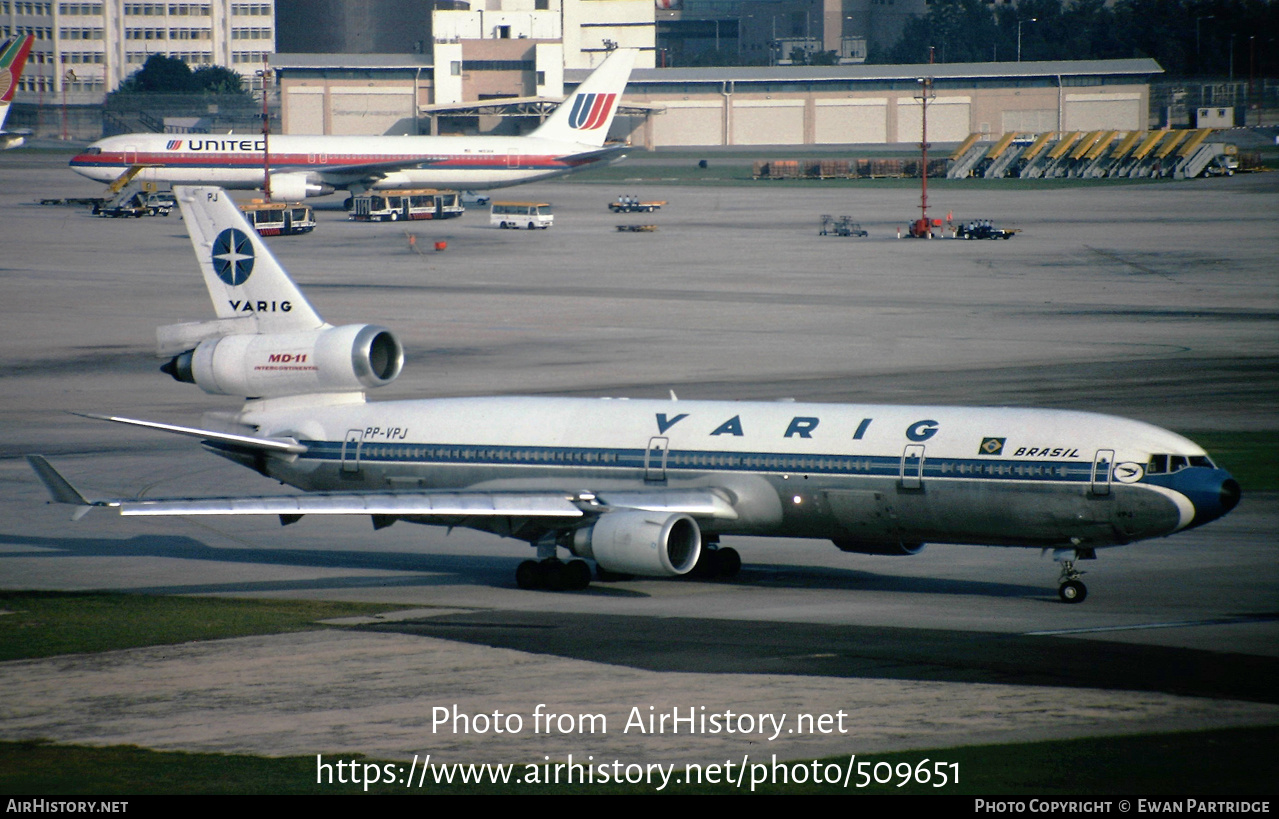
(279,218)
(405,204)
(521,214)
(140,203)
(982,229)
(632,204)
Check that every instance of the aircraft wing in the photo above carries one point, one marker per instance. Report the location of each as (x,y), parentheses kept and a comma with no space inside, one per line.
(283,445)
(607,152)
(445,505)
(343,175)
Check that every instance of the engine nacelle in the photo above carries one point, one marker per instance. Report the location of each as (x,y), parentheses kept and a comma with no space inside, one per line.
(656,544)
(351,358)
(294,186)
(878,547)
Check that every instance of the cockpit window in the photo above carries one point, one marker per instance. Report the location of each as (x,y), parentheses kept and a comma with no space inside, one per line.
(1164,464)
(92,151)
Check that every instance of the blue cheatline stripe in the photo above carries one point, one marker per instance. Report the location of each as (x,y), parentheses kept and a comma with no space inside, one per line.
(678,460)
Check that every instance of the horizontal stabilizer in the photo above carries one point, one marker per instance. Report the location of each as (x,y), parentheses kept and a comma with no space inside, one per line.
(287,445)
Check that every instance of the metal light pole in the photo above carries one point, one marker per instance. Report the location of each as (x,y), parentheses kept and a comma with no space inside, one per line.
(1198,59)
(1019,22)
(266,130)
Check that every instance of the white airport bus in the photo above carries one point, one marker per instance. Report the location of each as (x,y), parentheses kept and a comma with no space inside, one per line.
(521,214)
(396,204)
(279,218)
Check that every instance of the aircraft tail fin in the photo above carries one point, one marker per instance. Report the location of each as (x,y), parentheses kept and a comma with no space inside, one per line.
(244,280)
(586,115)
(13,56)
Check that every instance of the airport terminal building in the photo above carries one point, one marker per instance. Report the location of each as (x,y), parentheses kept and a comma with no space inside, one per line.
(723,106)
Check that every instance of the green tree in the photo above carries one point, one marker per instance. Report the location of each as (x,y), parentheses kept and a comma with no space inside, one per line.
(161,74)
(216,79)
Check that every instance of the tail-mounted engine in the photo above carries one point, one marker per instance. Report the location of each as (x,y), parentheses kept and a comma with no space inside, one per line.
(655,544)
(351,358)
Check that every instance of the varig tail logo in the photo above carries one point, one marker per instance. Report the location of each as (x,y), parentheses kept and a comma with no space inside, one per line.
(590,111)
(233,256)
(173,144)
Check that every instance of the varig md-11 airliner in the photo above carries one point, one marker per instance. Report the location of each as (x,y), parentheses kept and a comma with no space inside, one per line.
(638,487)
(572,139)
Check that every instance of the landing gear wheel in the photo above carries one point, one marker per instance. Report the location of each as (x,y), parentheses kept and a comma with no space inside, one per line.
(528,575)
(348,203)
(728,561)
(1072,591)
(577,575)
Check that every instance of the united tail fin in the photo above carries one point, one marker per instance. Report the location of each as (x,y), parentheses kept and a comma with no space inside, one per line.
(586,115)
(248,286)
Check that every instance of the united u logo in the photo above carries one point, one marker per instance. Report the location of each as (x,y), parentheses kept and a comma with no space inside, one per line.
(590,111)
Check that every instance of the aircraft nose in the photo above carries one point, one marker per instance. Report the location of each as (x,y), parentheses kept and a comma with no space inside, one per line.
(1212,492)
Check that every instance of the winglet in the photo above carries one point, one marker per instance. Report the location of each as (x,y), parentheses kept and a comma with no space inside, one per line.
(59,487)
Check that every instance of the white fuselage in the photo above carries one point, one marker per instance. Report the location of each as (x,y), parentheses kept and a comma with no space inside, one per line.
(862,473)
(240,161)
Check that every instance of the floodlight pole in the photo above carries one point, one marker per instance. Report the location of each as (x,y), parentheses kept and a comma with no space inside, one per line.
(266,131)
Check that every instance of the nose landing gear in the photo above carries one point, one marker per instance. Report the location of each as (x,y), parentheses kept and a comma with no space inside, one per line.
(1070,589)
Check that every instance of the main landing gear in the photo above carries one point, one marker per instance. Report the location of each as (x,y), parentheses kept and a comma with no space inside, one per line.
(1071,589)
(716,562)
(553,574)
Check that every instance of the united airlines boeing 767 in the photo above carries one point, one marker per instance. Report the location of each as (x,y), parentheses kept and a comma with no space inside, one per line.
(638,487)
(572,139)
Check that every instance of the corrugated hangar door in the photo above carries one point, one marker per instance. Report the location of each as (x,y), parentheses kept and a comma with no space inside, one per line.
(768,122)
(304,113)
(948,119)
(689,122)
(369,110)
(841,121)
(1103,112)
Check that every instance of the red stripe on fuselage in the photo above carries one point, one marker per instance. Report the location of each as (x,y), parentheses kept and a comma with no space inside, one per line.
(332,162)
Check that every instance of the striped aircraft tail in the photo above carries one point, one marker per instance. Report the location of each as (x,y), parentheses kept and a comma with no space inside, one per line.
(585,116)
(13,56)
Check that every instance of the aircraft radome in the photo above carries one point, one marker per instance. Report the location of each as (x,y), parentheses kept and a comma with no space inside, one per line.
(640,487)
(571,139)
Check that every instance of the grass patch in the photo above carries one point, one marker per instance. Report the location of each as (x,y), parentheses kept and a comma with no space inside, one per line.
(42,624)
(1249,456)
(1224,762)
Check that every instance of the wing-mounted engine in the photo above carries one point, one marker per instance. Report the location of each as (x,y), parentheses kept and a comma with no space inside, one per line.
(351,358)
(654,544)
(292,187)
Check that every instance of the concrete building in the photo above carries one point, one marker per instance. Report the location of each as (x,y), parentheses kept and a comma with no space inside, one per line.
(85,49)
(815,105)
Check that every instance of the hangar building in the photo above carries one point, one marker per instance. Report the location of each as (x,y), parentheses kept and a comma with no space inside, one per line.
(753,105)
